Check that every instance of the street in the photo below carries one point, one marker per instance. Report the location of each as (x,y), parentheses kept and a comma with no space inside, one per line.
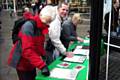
(6,72)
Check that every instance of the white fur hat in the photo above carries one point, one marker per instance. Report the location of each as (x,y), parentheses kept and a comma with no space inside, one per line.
(48,11)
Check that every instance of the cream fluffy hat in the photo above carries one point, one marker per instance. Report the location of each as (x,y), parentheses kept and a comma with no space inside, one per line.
(48,11)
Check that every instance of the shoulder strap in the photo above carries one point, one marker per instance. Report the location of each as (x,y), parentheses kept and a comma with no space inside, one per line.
(33,22)
(34,25)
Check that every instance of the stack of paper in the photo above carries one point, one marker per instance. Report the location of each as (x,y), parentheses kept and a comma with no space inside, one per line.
(79,47)
(79,59)
(67,74)
(86,41)
(81,51)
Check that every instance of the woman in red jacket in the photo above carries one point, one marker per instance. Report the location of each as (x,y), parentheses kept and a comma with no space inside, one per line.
(32,40)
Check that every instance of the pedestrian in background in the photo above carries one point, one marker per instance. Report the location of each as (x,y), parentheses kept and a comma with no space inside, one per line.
(11,7)
(26,13)
(114,19)
(37,7)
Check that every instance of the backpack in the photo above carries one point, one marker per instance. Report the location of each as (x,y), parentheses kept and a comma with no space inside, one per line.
(17,26)
(17,48)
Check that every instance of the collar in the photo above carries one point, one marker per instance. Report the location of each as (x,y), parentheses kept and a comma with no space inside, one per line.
(59,18)
(42,26)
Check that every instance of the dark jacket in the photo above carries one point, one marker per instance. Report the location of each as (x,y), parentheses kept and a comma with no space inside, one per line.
(68,33)
(114,20)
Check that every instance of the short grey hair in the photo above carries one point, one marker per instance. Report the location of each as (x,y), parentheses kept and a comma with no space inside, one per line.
(48,11)
(60,4)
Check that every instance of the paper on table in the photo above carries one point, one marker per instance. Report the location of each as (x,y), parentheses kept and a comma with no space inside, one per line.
(86,41)
(78,47)
(79,59)
(64,64)
(81,51)
(78,67)
(67,74)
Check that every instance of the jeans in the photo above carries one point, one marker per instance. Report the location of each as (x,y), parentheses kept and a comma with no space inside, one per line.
(26,75)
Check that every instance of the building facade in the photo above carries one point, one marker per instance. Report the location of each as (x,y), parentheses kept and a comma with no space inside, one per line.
(5,3)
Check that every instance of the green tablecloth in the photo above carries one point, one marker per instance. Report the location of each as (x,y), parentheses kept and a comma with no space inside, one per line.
(82,75)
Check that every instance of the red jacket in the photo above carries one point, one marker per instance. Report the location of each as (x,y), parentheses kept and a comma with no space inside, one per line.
(32,46)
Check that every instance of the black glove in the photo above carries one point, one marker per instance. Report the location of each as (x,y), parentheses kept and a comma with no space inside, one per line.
(45,71)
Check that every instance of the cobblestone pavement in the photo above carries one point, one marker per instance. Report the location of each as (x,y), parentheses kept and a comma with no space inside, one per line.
(6,72)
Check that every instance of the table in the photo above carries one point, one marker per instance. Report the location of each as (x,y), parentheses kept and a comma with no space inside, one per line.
(82,75)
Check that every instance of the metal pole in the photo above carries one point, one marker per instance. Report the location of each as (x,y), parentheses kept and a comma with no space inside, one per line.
(95,38)
(15,11)
(6,4)
(108,41)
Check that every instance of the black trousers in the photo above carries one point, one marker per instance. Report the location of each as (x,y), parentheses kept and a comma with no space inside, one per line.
(49,57)
(26,75)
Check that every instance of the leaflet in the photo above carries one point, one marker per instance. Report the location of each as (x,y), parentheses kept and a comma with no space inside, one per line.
(67,74)
(81,51)
(79,59)
(86,41)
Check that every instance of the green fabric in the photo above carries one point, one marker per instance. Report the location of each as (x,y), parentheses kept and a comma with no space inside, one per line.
(82,75)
